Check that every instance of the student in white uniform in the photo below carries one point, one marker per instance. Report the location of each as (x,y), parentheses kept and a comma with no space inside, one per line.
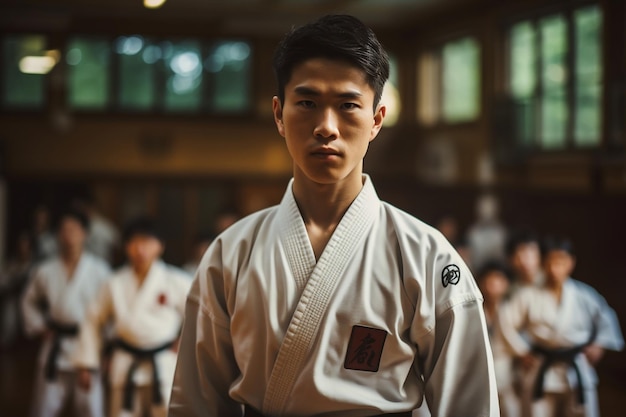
(144,303)
(494,281)
(332,303)
(53,306)
(568,325)
(524,257)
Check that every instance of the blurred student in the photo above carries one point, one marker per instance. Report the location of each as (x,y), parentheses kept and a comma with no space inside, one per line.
(43,235)
(103,238)
(523,254)
(143,302)
(568,325)
(486,237)
(13,279)
(524,257)
(494,279)
(53,306)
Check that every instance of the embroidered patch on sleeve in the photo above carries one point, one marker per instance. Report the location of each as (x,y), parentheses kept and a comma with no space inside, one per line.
(451,274)
(365,349)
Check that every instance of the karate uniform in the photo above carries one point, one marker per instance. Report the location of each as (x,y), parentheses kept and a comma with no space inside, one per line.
(534,317)
(387,315)
(143,317)
(503,365)
(66,300)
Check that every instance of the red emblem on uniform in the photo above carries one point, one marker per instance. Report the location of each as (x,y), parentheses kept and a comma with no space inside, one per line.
(365,349)
(162,299)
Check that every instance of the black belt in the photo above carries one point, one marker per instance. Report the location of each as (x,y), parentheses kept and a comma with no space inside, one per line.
(251,412)
(60,331)
(552,356)
(141,355)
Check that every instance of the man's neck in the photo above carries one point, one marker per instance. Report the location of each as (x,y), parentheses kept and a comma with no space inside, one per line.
(70,258)
(141,272)
(325,204)
(322,206)
(556,288)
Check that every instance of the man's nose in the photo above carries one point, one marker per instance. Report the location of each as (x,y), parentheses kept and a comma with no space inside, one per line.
(327,125)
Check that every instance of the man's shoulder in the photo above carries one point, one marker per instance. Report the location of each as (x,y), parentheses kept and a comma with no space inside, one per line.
(49,265)
(97,262)
(408,224)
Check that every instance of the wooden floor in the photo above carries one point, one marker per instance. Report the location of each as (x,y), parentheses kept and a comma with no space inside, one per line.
(17,368)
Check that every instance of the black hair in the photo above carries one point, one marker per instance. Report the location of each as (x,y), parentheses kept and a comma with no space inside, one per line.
(494,265)
(337,37)
(142,225)
(520,237)
(75,214)
(556,243)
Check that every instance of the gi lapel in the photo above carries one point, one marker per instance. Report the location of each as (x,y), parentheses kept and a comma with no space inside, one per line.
(317,293)
(147,293)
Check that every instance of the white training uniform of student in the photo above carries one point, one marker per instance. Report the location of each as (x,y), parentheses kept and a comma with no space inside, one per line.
(535,318)
(146,322)
(66,299)
(357,333)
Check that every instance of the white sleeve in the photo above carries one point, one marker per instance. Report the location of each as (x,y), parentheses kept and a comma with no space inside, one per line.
(34,320)
(458,364)
(90,337)
(608,332)
(206,366)
(511,320)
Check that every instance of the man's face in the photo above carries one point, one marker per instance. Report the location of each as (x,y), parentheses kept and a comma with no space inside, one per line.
(142,250)
(71,234)
(527,258)
(494,285)
(327,120)
(558,265)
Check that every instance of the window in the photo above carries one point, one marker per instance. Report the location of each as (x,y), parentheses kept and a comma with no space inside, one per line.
(23,75)
(449,83)
(228,67)
(137,75)
(140,74)
(88,64)
(555,79)
(460,80)
(183,68)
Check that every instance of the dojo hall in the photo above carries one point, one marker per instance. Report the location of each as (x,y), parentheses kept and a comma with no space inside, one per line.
(502,117)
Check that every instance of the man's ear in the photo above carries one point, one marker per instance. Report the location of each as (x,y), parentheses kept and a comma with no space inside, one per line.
(379,116)
(277,109)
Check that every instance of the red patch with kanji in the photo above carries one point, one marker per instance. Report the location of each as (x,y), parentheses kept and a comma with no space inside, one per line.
(365,349)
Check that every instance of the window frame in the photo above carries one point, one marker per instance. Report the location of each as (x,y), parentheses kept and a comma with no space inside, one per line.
(536,146)
(434,117)
(56,97)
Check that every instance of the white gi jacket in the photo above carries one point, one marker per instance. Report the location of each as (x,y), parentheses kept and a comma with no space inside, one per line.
(533,316)
(66,299)
(144,317)
(387,314)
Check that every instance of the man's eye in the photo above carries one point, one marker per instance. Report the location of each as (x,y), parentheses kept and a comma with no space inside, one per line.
(350,106)
(307,104)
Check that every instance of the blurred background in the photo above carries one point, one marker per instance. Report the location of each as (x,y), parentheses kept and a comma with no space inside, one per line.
(165,108)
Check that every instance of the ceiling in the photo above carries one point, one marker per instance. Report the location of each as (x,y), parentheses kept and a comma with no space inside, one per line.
(226,16)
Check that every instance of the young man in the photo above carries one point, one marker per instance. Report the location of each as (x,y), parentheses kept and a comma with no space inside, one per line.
(493,281)
(567,325)
(53,306)
(524,256)
(332,303)
(144,303)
